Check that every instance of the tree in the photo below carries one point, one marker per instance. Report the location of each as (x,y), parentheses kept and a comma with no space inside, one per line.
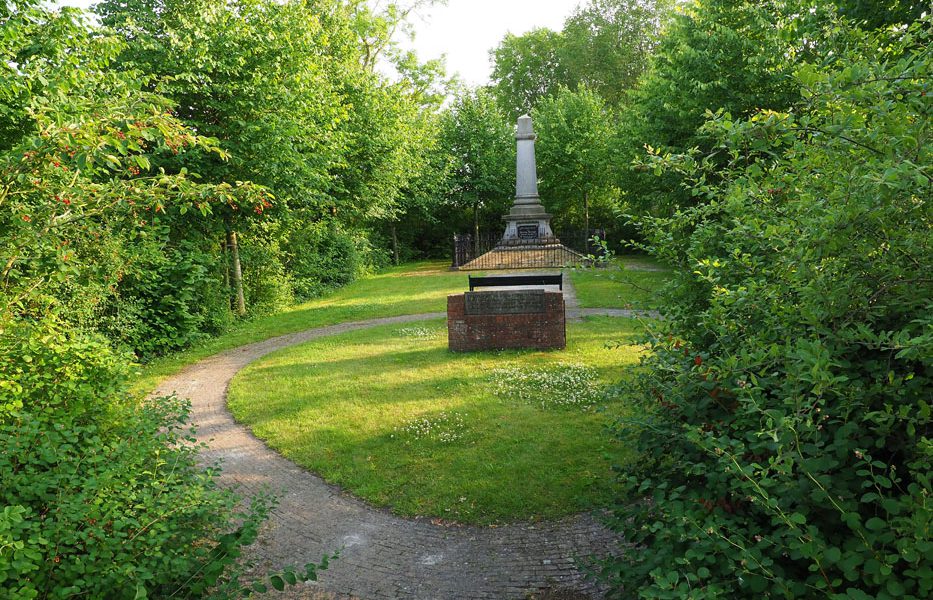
(95,481)
(607,44)
(879,13)
(480,143)
(604,45)
(718,55)
(87,206)
(574,131)
(527,68)
(265,78)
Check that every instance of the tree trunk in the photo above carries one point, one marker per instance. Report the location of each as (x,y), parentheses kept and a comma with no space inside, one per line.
(226,257)
(237,272)
(586,219)
(476,228)
(395,243)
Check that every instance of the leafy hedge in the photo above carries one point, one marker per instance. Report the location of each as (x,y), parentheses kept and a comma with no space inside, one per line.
(101,496)
(785,415)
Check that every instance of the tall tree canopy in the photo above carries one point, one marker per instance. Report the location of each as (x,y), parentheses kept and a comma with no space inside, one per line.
(573,128)
(607,44)
(481,143)
(604,45)
(527,68)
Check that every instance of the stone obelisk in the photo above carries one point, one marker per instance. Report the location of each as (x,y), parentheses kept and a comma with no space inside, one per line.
(527,224)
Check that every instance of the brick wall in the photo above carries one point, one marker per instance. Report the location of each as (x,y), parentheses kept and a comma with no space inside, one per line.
(541,330)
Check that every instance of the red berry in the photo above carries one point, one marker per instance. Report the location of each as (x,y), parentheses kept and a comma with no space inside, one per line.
(698,361)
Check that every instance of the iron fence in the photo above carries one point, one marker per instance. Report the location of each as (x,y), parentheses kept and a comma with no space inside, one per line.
(487,251)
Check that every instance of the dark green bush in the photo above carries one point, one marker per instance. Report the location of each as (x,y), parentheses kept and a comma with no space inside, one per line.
(784,419)
(322,256)
(168,299)
(267,286)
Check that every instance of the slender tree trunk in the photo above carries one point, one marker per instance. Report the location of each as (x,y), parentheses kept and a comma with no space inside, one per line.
(586,218)
(476,228)
(237,272)
(224,251)
(395,243)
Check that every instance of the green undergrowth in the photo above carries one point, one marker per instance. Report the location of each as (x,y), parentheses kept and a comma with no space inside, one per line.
(627,282)
(391,415)
(408,289)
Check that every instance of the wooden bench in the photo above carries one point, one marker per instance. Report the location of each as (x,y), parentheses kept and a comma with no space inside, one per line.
(504,280)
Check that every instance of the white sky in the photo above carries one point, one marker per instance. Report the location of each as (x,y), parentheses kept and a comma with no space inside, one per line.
(466,30)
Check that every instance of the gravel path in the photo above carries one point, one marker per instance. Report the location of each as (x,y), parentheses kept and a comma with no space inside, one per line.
(382,555)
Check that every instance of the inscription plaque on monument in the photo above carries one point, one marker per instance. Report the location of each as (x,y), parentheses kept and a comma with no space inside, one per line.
(511,302)
(528,232)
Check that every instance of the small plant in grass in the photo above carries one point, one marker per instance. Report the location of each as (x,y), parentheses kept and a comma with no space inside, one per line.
(417,332)
(444,428)
(559,386)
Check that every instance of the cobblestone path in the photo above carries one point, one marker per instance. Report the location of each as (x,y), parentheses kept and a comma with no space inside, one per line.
(381,555)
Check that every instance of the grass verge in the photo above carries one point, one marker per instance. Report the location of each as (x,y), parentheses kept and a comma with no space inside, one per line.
(629,282)
(407,289)
(391,415)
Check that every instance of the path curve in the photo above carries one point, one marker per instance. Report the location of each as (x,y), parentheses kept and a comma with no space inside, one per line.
(382,555)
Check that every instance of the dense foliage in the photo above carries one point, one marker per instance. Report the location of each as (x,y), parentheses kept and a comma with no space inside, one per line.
(102,496)
(480,144)
(784,412)
(573,158)
(604,45)
(149,192)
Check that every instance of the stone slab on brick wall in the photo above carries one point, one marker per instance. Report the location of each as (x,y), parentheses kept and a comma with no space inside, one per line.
(497,320)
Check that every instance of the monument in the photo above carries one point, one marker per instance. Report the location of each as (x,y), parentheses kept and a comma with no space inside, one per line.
(527,221)
(528,241)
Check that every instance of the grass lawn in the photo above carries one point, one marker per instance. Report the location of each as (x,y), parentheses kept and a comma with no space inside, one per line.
(392,416)
(629,282)
(407,289)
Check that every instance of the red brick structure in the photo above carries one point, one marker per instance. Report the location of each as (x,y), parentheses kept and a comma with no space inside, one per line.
(497,320)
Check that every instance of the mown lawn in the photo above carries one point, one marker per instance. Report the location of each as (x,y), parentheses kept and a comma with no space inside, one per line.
(408,289)
(629,282)
(392,416)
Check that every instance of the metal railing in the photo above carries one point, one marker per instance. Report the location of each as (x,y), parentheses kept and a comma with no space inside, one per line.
(489,252)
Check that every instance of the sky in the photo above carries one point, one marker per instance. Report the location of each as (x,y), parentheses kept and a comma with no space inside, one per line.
(466,30)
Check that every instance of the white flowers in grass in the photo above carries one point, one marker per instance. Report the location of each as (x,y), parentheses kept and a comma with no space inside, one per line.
(560,385)
(417,332)
(444,428)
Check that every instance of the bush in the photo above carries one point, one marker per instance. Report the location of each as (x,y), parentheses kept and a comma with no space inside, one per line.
(784,419)
(267,286)
(102,497)
(322,256)
(170,298)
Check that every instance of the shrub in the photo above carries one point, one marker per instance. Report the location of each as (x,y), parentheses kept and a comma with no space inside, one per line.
(101,496)
(321,256)
(784,418)
(267,286)
(169,299)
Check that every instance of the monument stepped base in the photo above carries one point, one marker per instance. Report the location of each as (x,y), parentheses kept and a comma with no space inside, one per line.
(526,257)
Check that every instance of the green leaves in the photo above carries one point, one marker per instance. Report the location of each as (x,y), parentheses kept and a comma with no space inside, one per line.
(114,482)
(795,446)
